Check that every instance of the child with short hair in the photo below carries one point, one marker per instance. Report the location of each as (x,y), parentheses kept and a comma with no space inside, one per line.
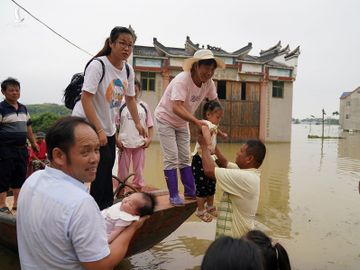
(205,187)
(122,214)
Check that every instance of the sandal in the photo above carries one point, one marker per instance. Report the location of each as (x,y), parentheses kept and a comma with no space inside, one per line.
(203,215)
(212,210)
(5,210)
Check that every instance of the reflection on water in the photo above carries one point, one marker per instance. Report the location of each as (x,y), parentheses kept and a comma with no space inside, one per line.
(309,200)
(274,207)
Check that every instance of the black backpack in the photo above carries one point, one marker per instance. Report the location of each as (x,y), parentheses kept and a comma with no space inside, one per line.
(72,92)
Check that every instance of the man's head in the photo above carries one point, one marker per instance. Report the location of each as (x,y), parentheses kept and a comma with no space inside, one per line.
(139,204)
(40,136)
(73,147)
(251,154)
(10,88)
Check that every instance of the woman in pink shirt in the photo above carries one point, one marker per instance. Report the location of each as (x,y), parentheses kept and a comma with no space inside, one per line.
(175,110)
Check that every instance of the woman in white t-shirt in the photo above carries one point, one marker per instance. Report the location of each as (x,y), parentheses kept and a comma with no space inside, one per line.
(176,109)
(102,93)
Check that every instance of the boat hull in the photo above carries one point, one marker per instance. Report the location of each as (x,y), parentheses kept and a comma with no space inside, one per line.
(161,224)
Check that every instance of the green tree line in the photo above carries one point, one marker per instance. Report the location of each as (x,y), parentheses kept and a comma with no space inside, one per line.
(44,115)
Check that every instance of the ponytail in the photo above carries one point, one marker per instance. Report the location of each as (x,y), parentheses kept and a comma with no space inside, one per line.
(106,50)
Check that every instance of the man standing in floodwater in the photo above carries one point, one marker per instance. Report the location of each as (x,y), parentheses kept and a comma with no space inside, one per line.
(240,182)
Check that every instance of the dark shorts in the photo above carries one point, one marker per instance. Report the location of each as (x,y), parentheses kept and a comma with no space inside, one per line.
(205,186)
(13,166)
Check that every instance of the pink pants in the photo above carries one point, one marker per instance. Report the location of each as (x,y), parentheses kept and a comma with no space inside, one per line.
(138,160)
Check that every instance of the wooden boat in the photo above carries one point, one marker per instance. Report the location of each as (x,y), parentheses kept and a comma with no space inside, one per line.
(161,224)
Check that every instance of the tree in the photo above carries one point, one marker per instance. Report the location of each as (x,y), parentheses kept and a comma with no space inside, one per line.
(42,122)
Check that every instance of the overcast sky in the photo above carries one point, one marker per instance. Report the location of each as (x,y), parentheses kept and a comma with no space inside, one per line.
(328,32)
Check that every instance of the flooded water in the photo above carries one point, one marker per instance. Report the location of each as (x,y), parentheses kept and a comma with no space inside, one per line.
(309,201)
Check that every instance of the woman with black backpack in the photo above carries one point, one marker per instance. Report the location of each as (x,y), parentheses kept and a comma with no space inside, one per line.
(106,82)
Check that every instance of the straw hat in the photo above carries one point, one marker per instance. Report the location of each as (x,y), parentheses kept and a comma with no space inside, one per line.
(202,54)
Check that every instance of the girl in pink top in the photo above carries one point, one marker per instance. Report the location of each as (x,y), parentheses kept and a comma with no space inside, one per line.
(175,110)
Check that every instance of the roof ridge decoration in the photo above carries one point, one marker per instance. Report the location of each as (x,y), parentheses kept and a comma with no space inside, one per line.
(285,50)
(295,53)
(190,46)
(243,51)
(271,50)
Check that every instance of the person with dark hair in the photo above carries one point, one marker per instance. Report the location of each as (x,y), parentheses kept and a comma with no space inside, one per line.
(175,110)
(122,214)
(131,145)
(227,253)
(15,128)
(59,225)
(274,254)
(99,101)
(240,182)
(205,187)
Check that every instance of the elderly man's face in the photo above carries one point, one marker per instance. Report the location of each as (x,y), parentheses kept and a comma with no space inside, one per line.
(83,157)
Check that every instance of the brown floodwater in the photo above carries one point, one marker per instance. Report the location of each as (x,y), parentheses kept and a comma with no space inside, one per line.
(309,201)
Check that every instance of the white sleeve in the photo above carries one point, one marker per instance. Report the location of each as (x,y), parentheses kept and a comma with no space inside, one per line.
(87,232)
(92,77)
(131,82)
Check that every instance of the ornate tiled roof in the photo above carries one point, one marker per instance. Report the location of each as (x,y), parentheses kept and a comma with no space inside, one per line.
(240,55)
(145,51)
(169,51)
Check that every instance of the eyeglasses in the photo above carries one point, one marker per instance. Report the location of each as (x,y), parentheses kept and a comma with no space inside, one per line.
(124,45)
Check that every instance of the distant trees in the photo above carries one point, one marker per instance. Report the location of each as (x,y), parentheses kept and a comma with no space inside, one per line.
(44,115)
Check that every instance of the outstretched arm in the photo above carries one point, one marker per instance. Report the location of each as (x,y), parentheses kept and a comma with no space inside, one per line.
(221,161)
(118,248)
(207,161)
(180,110)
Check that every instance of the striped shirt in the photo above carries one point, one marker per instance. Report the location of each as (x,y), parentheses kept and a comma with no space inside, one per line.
(239,202)
(13,124)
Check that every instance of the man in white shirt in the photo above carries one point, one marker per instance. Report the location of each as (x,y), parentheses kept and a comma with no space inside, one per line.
(240,182)
(59,225)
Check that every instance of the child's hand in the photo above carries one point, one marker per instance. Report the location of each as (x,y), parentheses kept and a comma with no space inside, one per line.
(147,142)
(211,149)
(119,144)
(223,135)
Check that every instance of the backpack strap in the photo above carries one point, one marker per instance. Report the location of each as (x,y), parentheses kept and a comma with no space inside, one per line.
(102,65)
(127,70)
(143,106)
(122,108)
(124,105)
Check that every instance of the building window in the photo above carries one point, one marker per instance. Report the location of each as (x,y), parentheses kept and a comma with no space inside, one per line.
(148,81)
(278,89)
(348,103)
(243,91)
(347,116)
(221,89)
